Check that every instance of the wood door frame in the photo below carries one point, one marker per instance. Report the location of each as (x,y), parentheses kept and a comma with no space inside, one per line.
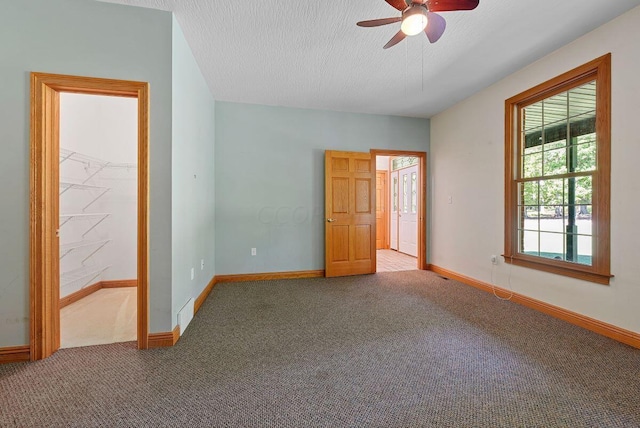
(44,277)
(422,197)
(385,190)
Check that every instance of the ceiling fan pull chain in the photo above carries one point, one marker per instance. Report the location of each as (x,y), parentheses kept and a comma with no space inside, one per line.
(422,52)
(406,66)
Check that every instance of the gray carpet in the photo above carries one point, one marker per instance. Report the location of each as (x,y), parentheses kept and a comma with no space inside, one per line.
(398,349)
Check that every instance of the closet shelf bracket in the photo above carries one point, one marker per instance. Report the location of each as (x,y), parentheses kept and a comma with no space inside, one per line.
(65,186)
(68,217)
(69,248)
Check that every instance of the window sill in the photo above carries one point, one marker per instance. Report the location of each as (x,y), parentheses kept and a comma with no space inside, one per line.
(596,277)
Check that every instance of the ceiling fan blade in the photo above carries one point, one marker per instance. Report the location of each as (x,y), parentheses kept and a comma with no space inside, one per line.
(435,26)
(395,40)
(451,5)
(378,22)
(398,4)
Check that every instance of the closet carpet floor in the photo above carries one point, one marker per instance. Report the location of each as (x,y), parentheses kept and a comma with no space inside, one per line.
(106,316)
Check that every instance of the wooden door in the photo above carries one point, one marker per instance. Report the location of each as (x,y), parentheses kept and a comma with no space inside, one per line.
(408,212)
(382,219)
(350,240)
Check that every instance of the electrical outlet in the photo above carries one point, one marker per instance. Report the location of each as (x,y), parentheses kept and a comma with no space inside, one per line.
(494,259)
(450,199)
(201,264)
(193,273)
(254,251)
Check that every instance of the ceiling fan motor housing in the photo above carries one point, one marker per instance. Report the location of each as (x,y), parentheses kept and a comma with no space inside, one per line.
(414,19)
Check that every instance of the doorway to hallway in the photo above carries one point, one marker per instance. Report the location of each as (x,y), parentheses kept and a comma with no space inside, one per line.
(400,211)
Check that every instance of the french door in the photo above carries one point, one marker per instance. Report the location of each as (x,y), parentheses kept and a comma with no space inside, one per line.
(408,211)
(403,197)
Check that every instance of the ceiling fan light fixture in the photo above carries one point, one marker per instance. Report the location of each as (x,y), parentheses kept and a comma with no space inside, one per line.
(414,20)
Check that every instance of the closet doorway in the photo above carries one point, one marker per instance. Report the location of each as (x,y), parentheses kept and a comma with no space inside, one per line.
(97,233)
(89,210)
(400,210)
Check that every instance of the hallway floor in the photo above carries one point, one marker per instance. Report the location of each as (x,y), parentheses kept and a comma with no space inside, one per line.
(393,261)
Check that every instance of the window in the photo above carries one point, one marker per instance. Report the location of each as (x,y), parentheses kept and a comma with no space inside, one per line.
(414,193)
(405,194)
(395,194)
(557,174)
(404,162)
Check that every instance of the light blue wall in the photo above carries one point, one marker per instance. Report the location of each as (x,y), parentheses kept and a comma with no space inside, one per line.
(84,38)
(269,178)
(267,171)
(192,180)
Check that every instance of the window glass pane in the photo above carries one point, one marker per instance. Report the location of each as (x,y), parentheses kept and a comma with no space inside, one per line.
(583,227)
(555,161)
(555,110)
(528,193)
(533,149)
(529,219)
(404,162)
(395,194)
(532,116)
(582,100)
(414,192)
(583,224)
(584,190)
(586,155)
(529,242)
(583,212)
(522,215)
(559,144)
(544,212)
(578,190)
(552,245)
(551,192)
(582,248)
(585,250)
(584,124)
(532,141)
(552,219)
(532,165)
(586,138)
(405,193)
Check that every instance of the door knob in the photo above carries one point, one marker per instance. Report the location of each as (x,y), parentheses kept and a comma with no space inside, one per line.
(331,220)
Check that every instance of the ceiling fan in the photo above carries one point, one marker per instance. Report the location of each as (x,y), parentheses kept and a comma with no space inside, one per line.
(418,16)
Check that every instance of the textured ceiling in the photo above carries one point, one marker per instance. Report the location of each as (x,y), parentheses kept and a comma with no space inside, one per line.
(310,54)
